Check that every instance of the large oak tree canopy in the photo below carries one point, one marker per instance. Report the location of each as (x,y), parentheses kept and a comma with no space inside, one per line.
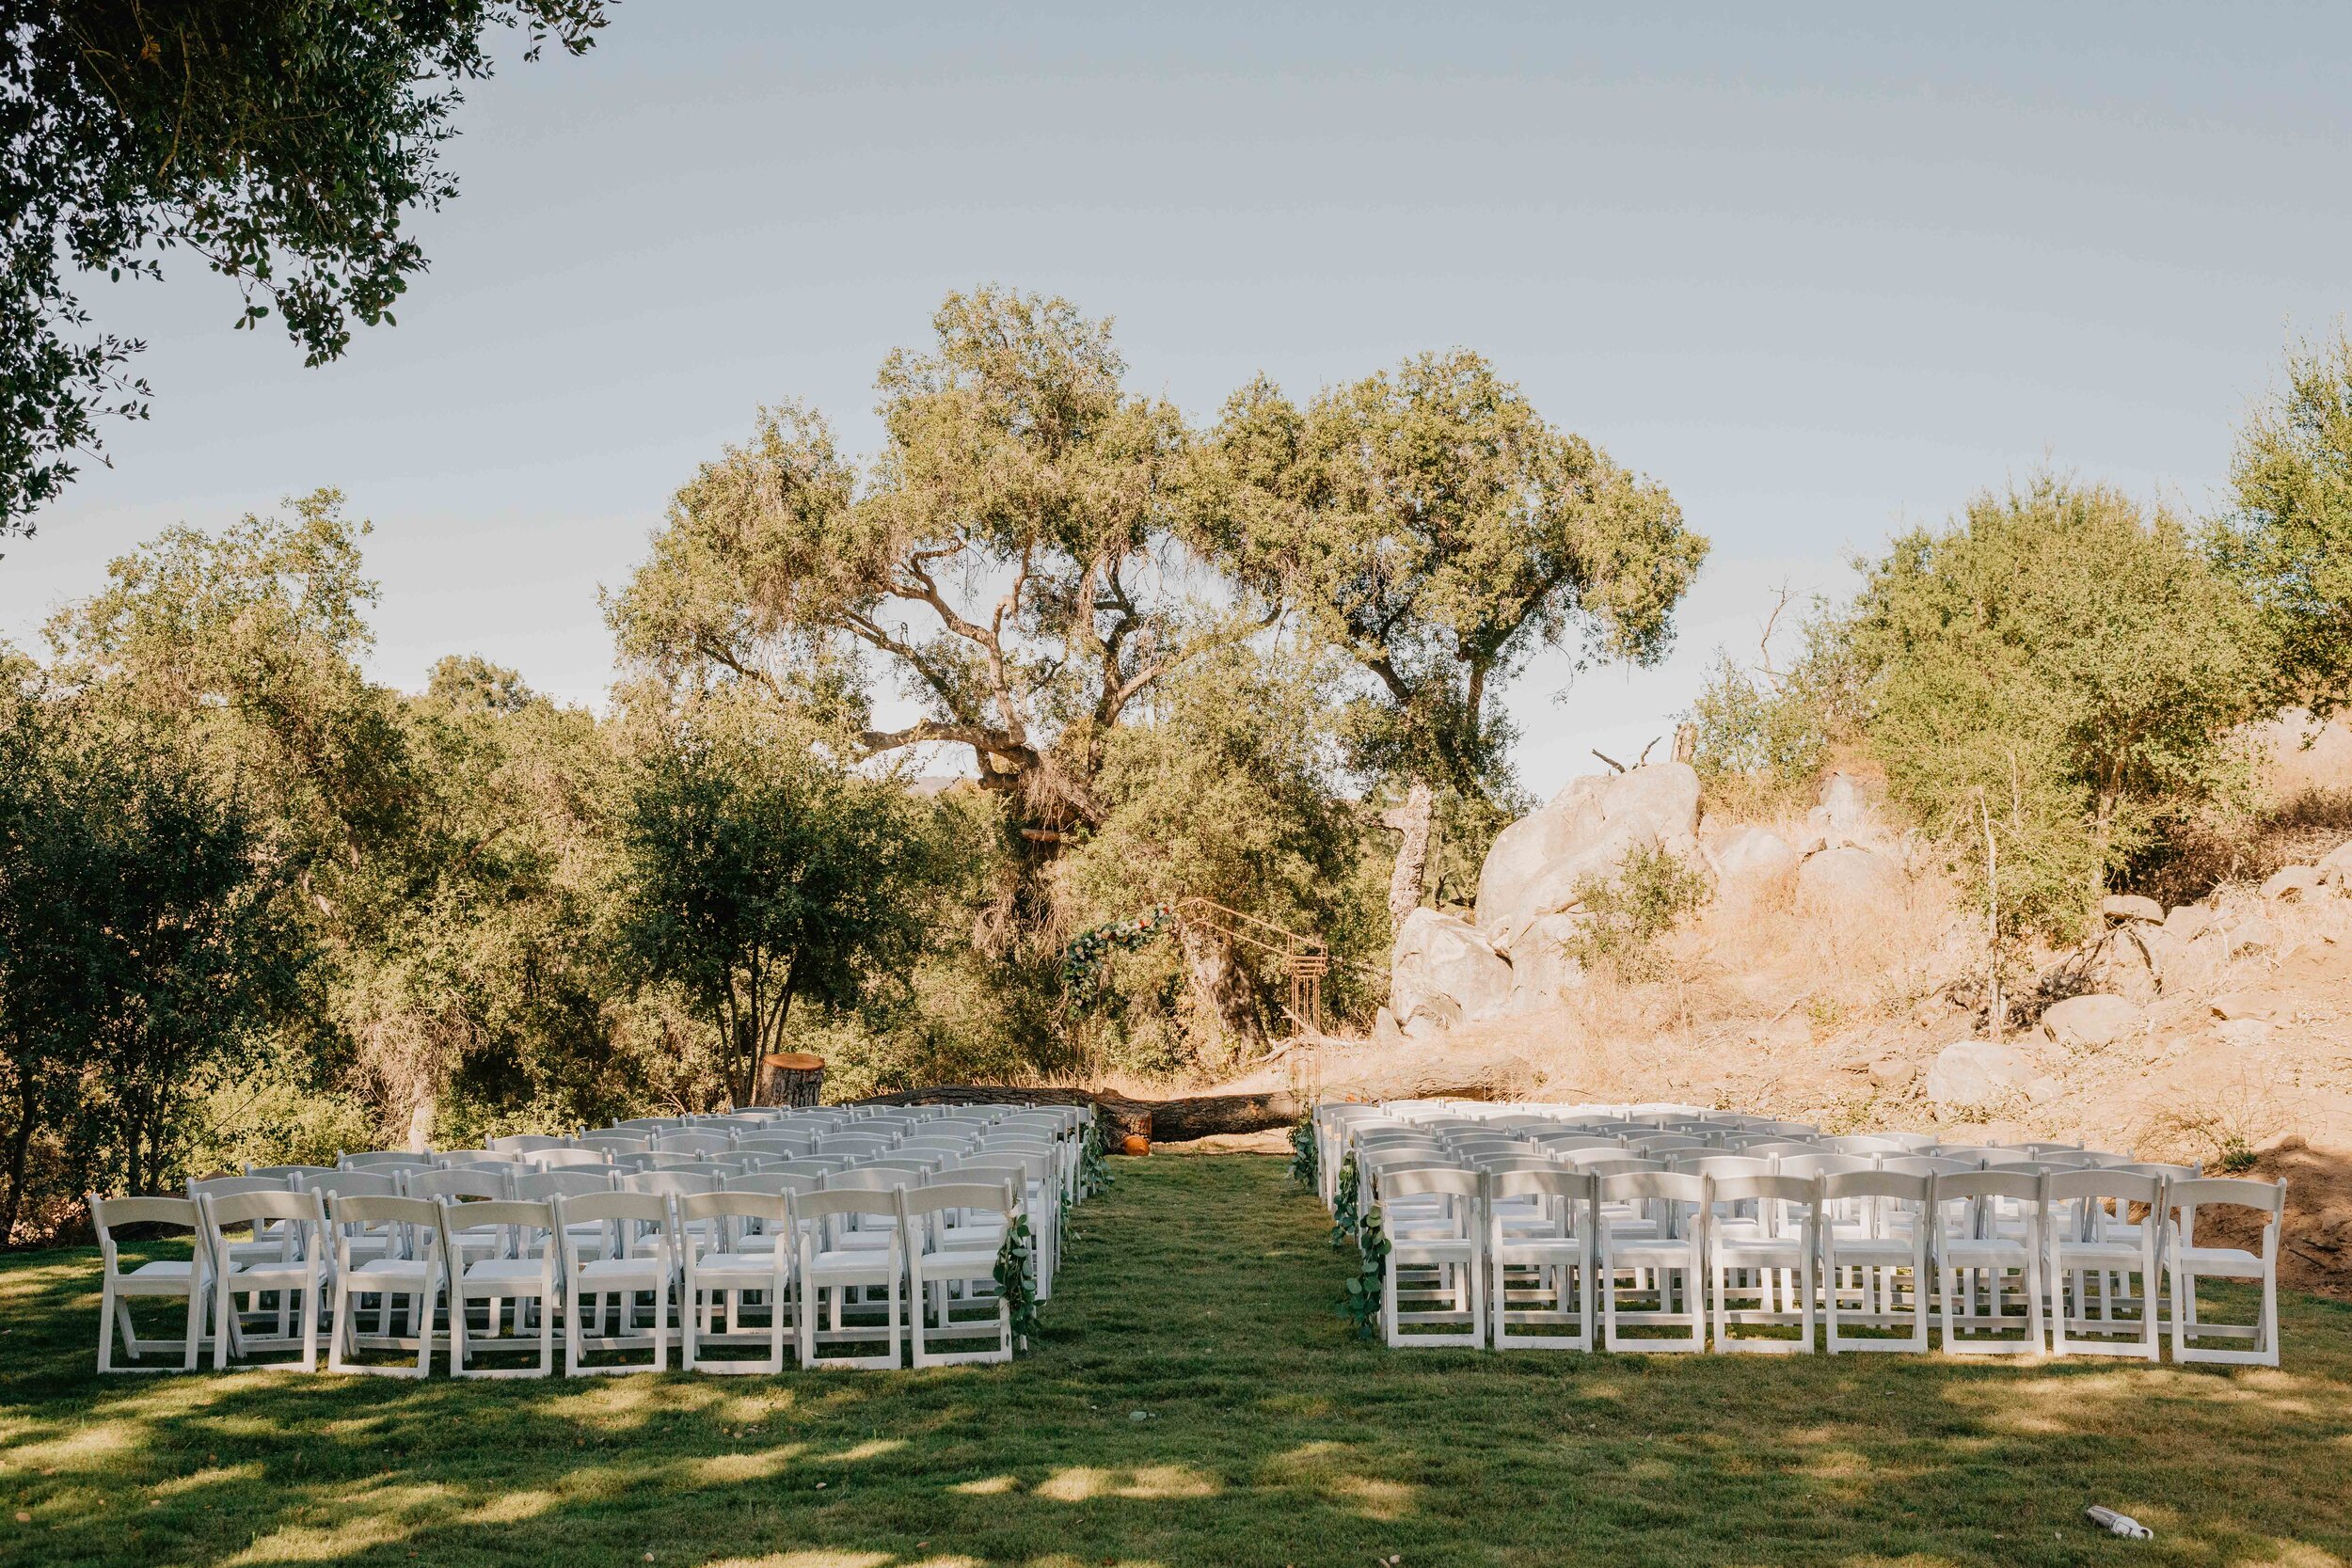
(1430,524)
(285,143)
(1011,554)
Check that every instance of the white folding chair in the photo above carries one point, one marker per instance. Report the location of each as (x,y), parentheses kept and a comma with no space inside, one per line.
(1553,1260)
(941,1256)
(717,1281)
(160,1277)
(1978,1261)
(2193,1261)
(831,1268)
(1661,1245)
(2086,1262)
(296,1273)
(521,1267)
(1784,1243)
(407,1266)
(1447,1245)
(1877,1261)
(637,1258)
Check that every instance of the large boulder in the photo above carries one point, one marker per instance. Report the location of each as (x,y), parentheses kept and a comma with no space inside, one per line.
(2131,905)
(1973,1074)
(1441,972)
(2335,866)
(1542,968)
(2293,882)
(1749,858)
(1848,880)
(1844,815)
(1535,863)
(2184,962)
(2087,1022)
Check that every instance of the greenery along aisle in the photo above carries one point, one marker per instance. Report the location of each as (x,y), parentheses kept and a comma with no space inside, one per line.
(1188,1401)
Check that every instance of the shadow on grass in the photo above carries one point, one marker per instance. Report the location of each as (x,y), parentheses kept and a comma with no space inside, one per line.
(1195,1404)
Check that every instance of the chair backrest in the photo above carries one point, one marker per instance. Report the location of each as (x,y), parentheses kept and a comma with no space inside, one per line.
(383,1159)
(1550,1181)
(1767,1149)
(231,1210)
(458,1181)
(377,1209)
(1665,1143)
(2170,1173)
(283,1172)
(721,1169)
(569,1159)
(898,1159)
(2270,1197)
(2124,1186)
(353,1184)
(1973,1185)
(1405,1182)
(1865,1143)
(106,1212)
(871,1179)
(646,1124)
(1596,1162)
(457,1217)
(774,1181)
(738,1203)
(808,1166)
(1799,1190)
(1908,1188)
(934,1198)
(772,1144)
(847,1200)
(229,1187)
(693,1143)
(598,1208)
(1926,1164)
(1667,1186)
(567,1184)
(1721,1164)
(616,1143)
(1823,1164)
(523,1143)
(456,1157)
(669,1182)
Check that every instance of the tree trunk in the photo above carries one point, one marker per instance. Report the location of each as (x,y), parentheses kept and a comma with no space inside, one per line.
(1219,990)
(1412,820)
(1158,1120)
(18,1143)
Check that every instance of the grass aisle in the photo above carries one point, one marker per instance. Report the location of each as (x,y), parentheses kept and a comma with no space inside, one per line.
(1200,1296)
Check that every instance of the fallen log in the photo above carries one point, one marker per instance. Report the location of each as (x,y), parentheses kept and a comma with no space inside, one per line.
(1164,1121)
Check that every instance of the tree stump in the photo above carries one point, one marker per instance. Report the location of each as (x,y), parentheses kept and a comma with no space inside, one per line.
(790,1078)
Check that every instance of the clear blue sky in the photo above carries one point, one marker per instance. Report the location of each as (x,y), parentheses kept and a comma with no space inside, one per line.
(1821,273)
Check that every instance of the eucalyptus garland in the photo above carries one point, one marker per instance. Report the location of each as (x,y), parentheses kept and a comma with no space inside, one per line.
(1343,1221)
(1304,1161)
(1082,961)
(1094,1171)
(1013,1281)
(1361,1305)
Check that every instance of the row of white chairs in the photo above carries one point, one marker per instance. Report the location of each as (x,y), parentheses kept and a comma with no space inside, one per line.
(729,1267)
(2020,1247)
(849,1169)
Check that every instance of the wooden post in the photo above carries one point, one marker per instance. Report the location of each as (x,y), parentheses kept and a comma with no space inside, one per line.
(790,1078)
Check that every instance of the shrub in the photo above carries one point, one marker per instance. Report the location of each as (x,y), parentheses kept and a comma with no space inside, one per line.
(1624,915)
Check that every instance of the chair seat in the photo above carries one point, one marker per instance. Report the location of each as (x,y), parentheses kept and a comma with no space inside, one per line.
(1432,1250)
(385,1273)
(867,1264)
(1540,1249)
(607,1272)
(960,1263)
(735,1266)
(2234,1262)
(1757,1252)
(2091,1253)
(1985,1252)
(1642,1253)
(1874,1250)
(503,1270)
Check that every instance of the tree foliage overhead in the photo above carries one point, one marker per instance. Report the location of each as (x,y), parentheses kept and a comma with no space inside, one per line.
(285,144)
(760,874)
(2289,537)
(1429,524)
(1011,557)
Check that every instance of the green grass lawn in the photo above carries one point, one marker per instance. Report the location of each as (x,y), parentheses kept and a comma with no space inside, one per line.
(1199,1294)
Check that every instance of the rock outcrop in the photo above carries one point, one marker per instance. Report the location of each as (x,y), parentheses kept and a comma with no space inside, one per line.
(1536,862)
(1443,971)
(2087,1022)
(1969,1075)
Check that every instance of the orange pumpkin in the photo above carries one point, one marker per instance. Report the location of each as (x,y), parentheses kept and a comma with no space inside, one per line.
(1137,1143)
